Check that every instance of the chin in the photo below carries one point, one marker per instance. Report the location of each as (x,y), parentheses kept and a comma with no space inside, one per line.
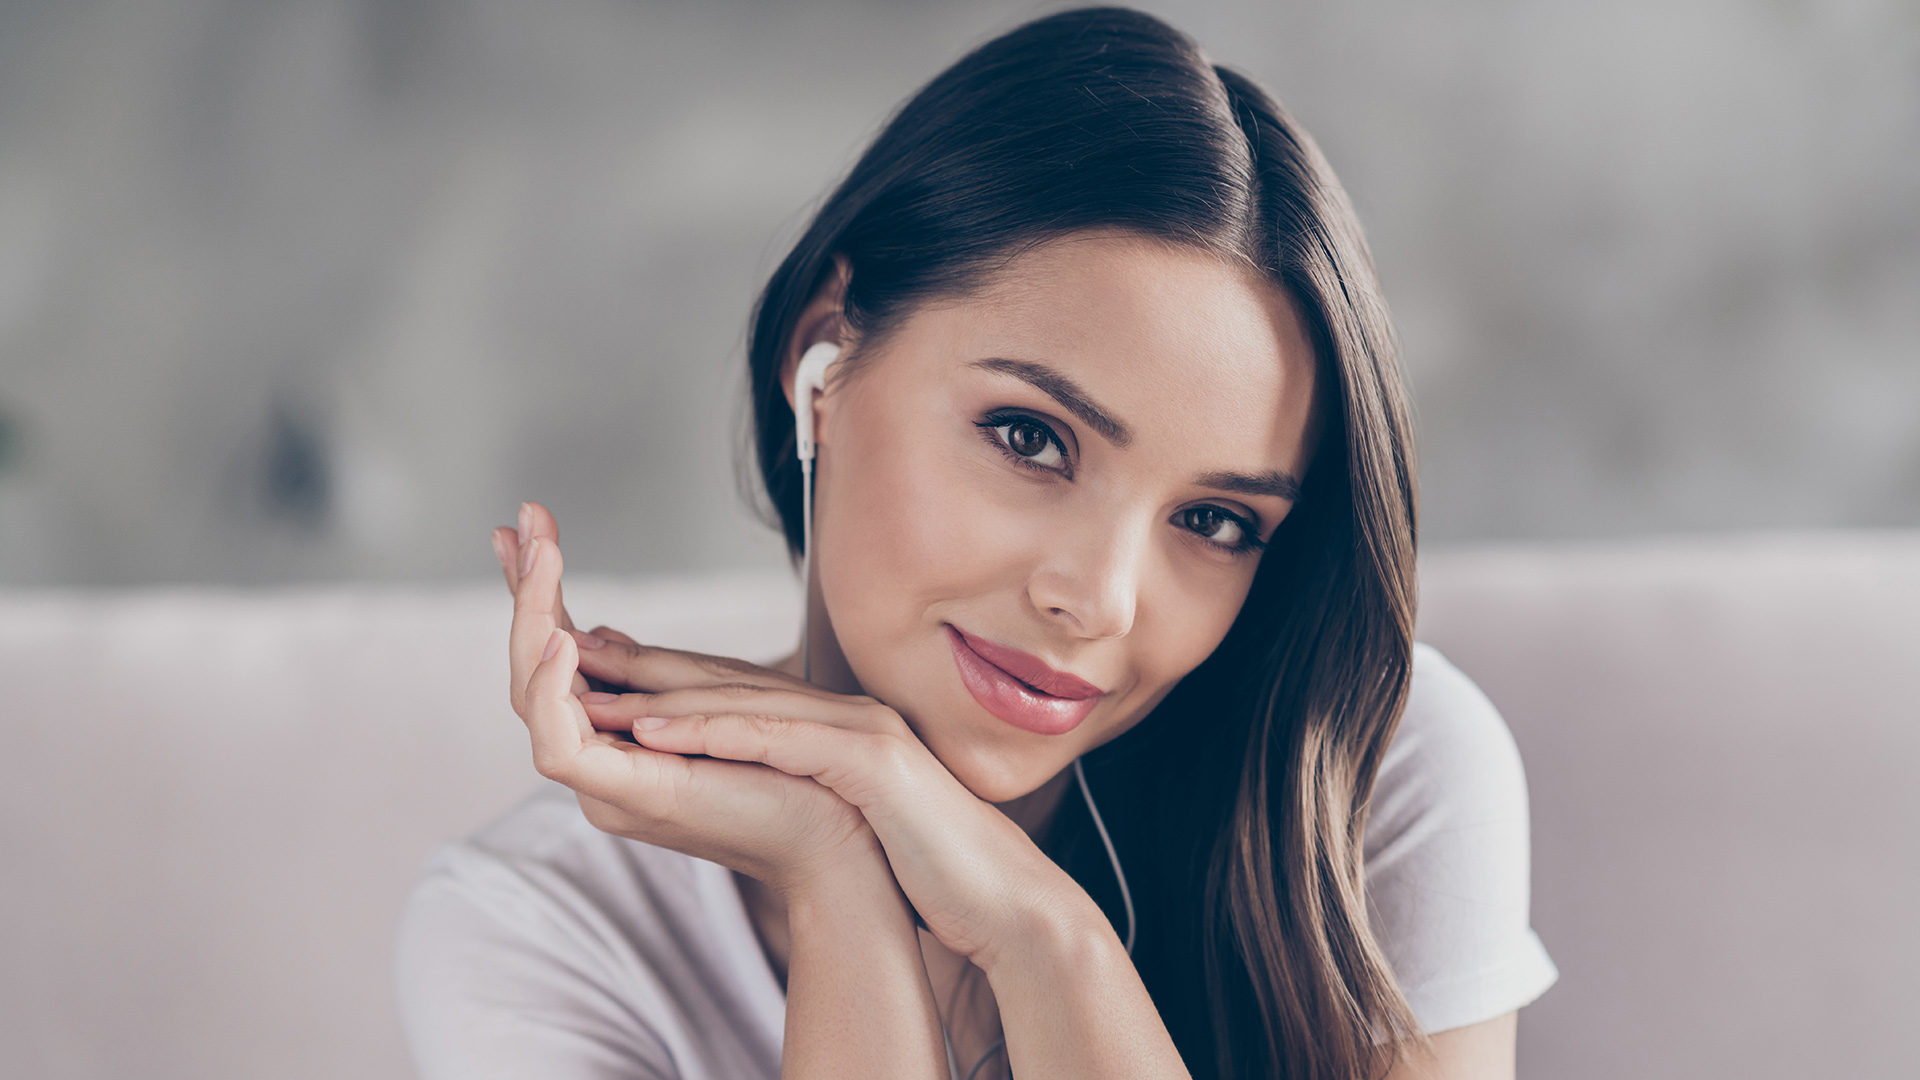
(990,773)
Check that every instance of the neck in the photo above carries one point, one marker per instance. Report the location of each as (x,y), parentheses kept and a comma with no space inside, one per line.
(821,649)
(1036,808)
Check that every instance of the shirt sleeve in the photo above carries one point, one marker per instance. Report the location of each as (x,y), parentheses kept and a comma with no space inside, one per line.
(1447,859)
(491,987)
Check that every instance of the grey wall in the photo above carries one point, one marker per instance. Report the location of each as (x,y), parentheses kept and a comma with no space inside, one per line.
(322,289)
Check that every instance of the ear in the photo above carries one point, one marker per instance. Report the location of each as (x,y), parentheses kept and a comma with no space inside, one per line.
(823,319)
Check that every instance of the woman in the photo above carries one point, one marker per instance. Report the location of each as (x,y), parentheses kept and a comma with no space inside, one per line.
(1088,764)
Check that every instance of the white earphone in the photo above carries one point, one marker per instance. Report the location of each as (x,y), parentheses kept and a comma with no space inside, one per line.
(808,379)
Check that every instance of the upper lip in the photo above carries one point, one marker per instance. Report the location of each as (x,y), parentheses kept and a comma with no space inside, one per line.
(1030,669)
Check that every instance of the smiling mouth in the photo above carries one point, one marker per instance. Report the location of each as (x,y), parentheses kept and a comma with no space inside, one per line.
(1012,695)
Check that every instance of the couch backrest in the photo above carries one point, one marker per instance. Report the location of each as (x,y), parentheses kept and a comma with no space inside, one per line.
(213,803)
(1722,742)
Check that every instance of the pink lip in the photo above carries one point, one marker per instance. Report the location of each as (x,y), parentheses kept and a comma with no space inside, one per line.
(1019,687)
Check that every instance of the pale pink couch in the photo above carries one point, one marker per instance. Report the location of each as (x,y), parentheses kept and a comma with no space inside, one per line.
(215,801)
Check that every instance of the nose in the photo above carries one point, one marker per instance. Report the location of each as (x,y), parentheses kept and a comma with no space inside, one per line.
(1091,582)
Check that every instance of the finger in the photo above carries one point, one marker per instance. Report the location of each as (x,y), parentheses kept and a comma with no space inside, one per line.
(597,639)
(850,762)
(556,609)
(554,718)
(653,669)
(567,749)
(583,683)
(535,603)
(506,547)
(795,747)
(618,712)
(604,722)
(536,522)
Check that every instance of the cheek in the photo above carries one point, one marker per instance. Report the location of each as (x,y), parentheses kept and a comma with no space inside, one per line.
(1202,623)
(902,526)
(1186,614)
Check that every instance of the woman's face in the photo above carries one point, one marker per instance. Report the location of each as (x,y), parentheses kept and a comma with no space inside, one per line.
(1038,507)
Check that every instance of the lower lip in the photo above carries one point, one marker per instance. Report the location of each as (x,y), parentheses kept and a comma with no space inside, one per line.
(1012,700)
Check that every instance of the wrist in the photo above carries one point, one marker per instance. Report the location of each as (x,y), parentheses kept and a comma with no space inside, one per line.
(853,876)
(1060,929)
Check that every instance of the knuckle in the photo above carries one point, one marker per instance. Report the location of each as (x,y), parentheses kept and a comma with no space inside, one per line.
(765,726)
(891,754)
(549,765)
(719,667)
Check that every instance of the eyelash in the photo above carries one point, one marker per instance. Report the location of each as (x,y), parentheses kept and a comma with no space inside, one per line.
(1250,542)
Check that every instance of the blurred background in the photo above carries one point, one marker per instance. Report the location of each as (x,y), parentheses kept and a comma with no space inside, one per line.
(309,294)
(320,290)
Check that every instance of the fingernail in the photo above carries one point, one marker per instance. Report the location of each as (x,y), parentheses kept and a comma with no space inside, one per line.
(500,550)
(553,646)
(650,723)
(526,519)
(526,557)
(588,641)
(598,697)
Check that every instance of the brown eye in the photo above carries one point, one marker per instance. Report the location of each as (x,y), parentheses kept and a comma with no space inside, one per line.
(1215,524)
(1027,439)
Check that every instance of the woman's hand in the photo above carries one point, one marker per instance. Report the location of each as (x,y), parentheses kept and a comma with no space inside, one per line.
(509,544)
(778,828)
(974,876)
(858,1001)
(1070,1001)
(801,788)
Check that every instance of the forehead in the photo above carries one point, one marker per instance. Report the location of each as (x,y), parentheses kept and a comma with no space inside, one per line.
(1162,335)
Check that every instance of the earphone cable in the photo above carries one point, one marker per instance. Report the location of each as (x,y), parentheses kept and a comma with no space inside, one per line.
(986,1057)
(953,1063)
(806,569)
(1126,895)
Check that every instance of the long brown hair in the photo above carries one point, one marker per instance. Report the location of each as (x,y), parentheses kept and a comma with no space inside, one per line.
(1240,804)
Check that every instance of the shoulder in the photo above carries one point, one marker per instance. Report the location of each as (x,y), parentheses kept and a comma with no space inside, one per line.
(1447,855)
(1452,761)
(542,946)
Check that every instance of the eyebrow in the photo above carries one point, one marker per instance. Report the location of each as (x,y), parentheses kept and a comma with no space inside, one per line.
(1281,485)
(1064,390)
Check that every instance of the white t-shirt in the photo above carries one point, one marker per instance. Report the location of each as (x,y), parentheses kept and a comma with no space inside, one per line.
(543,947)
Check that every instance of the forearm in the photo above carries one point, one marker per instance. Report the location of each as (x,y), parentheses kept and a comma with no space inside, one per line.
(858,1001)
(1072,1004)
